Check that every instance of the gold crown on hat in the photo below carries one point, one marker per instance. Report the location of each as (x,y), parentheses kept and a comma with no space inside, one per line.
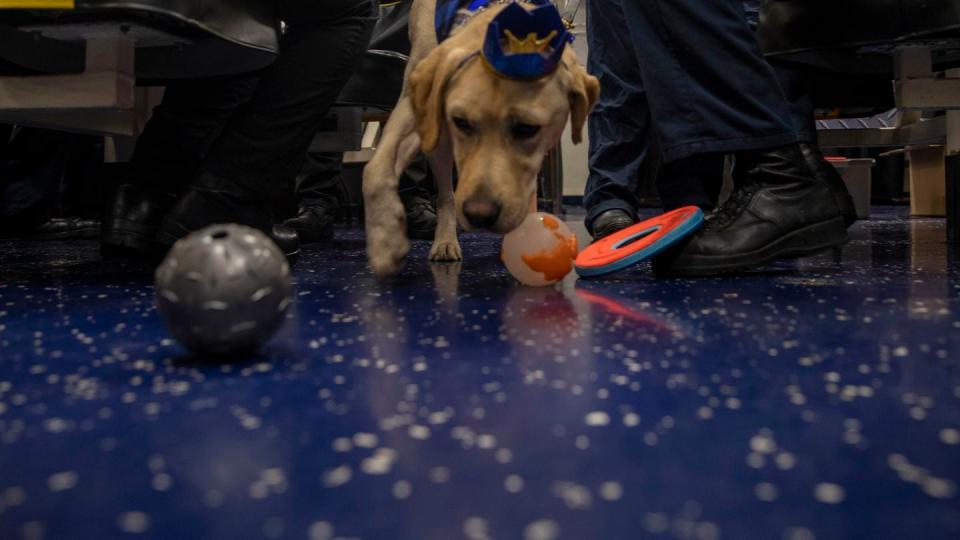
(528,45)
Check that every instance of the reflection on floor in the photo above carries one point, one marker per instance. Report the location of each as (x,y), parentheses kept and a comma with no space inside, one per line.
(817,399)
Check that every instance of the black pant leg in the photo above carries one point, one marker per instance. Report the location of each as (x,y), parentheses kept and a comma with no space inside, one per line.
(415,180)
(265,143)
(319,182)
(31,176)
(183,127)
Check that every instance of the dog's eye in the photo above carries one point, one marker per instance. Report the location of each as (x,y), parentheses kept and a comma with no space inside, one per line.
(522,131)
(463,125)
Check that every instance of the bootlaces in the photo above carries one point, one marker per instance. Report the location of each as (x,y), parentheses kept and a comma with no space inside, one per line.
(733,207)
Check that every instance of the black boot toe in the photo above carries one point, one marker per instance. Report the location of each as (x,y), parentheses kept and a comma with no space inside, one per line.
(312,224)
(132,220)
(610,222)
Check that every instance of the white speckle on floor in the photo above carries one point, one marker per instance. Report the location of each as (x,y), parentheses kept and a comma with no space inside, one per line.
(829,493)
(134,522)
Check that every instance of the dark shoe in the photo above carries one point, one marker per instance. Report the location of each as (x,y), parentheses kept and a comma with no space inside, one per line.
(610,222)
(132,220)
(65,228)
(312,224)
(212,200)
(779,210)
(825,172)
(421,216)
(288,240)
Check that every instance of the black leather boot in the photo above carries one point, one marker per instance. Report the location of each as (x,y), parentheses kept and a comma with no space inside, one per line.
(132,219)
(824,171)
(287,240)
(65,229)
(610,222)
(313,224)
(421,215)
(210,200)
(779,209)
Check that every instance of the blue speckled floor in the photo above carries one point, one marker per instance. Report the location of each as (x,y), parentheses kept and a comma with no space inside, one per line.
(820,399)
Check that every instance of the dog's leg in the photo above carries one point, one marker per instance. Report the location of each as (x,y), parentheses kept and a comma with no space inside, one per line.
(446,247)
(387,242)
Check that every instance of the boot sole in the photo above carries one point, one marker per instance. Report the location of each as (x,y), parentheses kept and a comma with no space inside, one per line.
(808,241)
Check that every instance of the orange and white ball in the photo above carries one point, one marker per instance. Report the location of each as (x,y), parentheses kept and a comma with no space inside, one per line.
(540,251)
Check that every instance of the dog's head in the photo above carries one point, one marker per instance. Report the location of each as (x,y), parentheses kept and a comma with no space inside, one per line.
(500,129)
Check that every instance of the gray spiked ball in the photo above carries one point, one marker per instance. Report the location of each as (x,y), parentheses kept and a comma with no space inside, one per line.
(224,289)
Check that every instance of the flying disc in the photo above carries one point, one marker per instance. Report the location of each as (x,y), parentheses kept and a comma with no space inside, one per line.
(639,242)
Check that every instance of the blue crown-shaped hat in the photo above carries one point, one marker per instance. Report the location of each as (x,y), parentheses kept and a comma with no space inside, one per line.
(526,45)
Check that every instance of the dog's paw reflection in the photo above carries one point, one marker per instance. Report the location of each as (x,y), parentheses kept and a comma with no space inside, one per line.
(446,278)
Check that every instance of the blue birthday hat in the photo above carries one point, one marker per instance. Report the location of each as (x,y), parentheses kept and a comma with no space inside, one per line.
(526,45)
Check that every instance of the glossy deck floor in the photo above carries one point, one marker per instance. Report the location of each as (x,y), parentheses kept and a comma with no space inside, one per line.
(818,399)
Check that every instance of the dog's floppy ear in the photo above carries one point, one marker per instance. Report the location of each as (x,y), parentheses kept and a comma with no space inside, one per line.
(428,87)
(584,91)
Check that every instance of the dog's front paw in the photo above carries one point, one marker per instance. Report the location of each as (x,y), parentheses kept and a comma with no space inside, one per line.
(446,252)
(387,243)
(386,255)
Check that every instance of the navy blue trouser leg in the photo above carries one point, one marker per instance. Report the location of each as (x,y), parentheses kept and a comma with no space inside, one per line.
(620,126)
(709,87)
(693,71)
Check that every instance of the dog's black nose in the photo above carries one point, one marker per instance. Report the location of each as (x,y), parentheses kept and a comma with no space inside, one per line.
(481,213)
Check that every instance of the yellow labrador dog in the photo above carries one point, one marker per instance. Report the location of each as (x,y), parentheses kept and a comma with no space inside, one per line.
(495,130)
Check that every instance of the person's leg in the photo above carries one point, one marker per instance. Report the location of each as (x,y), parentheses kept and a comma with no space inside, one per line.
(269,138)
(620,124)
(710,89)
(31,174)
(796,89)
(183,127)
(318,194)
(319,181)
(265,143)
(800,98)
(710,92)
(168,154)
(418,201)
